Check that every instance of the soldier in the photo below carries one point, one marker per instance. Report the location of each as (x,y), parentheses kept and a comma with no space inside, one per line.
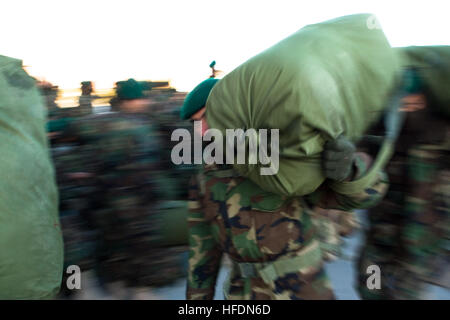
(50,94)
(120,156)
(409,230)
(86,98)
(79,236)
(271,239)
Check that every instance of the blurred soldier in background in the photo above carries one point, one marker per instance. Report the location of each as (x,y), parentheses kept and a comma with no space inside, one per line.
(86,98)
(50,94)
(119,156)
(79,236)
(74,192)
(409,231)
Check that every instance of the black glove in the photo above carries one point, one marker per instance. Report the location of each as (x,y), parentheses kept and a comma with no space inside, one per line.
(338,158)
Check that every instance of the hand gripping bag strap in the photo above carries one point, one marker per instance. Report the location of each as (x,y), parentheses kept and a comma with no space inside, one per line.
(393,122)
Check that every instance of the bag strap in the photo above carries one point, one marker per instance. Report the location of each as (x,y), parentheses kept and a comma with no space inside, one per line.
(393,123)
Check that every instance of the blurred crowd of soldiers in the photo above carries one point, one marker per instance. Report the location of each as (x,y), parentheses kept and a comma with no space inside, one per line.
(117,185)
(408,232)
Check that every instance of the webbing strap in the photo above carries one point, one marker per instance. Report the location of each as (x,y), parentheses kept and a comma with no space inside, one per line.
(355,186)
(393,123)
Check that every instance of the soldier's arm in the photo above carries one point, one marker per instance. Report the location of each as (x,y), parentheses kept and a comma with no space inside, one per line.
(204,252)
(327,198)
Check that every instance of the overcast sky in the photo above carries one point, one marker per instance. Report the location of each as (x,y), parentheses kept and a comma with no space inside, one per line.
(69,41)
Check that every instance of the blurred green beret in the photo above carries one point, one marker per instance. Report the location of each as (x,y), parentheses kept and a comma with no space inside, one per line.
(128,90)
(196,99)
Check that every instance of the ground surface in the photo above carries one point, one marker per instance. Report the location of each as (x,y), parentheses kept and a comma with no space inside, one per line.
(341,272)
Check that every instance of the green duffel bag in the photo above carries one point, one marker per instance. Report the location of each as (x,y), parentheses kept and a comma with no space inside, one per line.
(433,64)
(31,246)
(325,80)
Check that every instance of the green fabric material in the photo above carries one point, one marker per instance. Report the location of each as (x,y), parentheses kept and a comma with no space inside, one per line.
(433,64)
(31,247)
(173,231)
(325,80)
(196,99)
(130,89)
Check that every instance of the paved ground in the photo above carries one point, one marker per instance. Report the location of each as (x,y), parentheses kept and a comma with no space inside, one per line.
(341,272)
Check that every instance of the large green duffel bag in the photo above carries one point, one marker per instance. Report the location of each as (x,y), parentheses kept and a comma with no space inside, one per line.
(433,64)
(325,80)
(31,247)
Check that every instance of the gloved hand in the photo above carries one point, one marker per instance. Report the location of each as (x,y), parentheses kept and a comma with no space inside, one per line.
(338,156)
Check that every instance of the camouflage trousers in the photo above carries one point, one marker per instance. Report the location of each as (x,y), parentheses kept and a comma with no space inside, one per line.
(331,226)
(405,265)
(129,250)
(310,282)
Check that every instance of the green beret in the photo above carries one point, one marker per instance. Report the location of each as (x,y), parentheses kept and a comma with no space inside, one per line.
(130,89)
(196,99)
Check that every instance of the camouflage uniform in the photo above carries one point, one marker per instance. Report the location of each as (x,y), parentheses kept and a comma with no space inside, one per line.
(86,98)
(121,152)
(85,104)
(230,214)
(178,176)
(50,95)
(410,228)
(332,225)
(79,237)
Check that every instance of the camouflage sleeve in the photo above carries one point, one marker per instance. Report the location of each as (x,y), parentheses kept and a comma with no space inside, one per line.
(204,253)
(326,198)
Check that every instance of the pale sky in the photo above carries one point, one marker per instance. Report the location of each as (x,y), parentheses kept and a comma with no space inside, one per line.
(69,41)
